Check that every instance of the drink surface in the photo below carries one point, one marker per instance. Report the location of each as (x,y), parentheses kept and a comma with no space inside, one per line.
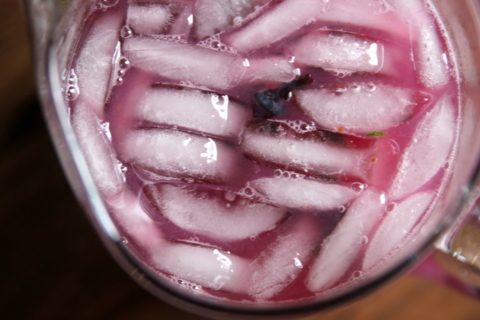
(265,150)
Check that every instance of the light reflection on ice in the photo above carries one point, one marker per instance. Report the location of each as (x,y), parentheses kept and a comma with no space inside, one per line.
(211,153)
(221,107)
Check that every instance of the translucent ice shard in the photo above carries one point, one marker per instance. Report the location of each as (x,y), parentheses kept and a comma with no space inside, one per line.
(303,194)
(428,150)
(283,260)
(179,154)
(98,152)
(395,227)
(194,109)
(95,60)
(343,245)
(185,62)
(359,109)
(275,24)
(214,216)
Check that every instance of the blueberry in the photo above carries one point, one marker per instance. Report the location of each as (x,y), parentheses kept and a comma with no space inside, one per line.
(268,105)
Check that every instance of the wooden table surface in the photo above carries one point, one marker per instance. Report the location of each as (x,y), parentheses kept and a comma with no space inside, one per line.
(53,266)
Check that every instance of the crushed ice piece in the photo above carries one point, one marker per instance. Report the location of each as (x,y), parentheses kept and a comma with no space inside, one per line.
(94,64)
(98,152)
(303,194)
(359,109)
(185,62)
(214,16)
(194,109)
(212,217)
(309,157)
(428,150)
(342,246)
(151,19)
(275,24)
(339,51)
(283,260)
(395,227)
(205,266)
(175,153)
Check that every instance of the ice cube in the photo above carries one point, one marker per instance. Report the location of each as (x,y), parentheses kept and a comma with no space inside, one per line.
(214,16)
(283,260)
(148,19)
(174,153)
(274,69)
(395,227)
(275,24)
(207,266)
(427,151)
(343,245)
(98,152)
(364,15)
(214,216)
(360,109)
(185,62)
(303,193)
(339,51)
(430,58)
(194,109)
(94,64)
(307,156)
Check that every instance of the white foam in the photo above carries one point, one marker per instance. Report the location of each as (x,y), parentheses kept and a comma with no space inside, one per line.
(360,109)
(303,194)
(98,152)
(310,157)
(339,51)
(428,150)
(275,24)
(215,217)
(95,61)
(283,260)
(343,245)
(174,153)
(185,62)
(395,227)
(206,112)
(151,19)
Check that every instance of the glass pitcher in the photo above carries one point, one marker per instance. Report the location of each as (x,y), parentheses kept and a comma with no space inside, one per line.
(452,221)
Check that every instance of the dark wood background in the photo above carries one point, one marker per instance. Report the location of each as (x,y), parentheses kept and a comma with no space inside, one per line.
(53,266)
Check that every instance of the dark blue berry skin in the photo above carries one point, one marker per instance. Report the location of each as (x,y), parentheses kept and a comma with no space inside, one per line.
(268,105)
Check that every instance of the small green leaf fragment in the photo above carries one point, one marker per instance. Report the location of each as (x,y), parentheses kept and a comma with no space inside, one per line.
(376,134)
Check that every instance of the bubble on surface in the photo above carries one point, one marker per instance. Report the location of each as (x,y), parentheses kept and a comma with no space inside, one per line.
(126,32)
(364,240)
(358,187)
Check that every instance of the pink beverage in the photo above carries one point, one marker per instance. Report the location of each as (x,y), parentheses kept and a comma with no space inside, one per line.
(265,151)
